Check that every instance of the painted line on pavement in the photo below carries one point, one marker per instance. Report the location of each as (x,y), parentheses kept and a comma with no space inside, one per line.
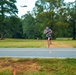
(32,57)
(36,50)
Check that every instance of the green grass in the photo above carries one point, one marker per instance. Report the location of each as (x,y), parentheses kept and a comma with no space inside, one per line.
(25,43)
(21,43)
(44,66)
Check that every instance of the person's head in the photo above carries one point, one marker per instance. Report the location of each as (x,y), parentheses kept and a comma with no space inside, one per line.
(47,27)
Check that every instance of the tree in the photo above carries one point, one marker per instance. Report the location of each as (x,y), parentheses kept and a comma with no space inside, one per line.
(51,13)
(72,18)
(28,25)
(7,7)
(15,27)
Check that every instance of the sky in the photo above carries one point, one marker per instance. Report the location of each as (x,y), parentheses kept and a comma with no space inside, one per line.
(30,5)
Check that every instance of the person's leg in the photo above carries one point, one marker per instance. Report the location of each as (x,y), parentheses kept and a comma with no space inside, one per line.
(48,41)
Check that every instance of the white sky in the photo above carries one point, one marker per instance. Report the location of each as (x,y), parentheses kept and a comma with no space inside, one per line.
(30,4)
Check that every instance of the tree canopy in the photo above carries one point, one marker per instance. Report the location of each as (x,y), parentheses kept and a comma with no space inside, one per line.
(7,7)
(56,14)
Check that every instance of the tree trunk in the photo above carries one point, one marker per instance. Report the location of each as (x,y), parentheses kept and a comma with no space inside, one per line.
(2,36)
(2,32)
(2,26)
(74,34)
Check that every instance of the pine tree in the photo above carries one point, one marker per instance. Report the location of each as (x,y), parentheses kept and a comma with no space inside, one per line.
(7,7)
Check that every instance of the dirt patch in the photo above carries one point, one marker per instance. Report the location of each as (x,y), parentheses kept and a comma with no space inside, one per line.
(37,66)
(25,66)
(60,45)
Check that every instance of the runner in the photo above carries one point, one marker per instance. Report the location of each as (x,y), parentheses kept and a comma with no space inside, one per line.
(48,32)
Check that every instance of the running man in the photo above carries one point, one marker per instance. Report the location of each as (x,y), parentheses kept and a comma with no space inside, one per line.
(48,32)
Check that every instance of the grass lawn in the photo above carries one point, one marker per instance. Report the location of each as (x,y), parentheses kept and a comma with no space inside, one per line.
(43,66)
(24,43)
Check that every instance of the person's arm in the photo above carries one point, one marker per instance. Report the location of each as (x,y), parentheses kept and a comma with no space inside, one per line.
(50,31)
(44,31)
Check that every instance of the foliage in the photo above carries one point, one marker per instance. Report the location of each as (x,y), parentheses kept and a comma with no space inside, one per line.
(28,26)
(7,7)
(58,15)
(53,14)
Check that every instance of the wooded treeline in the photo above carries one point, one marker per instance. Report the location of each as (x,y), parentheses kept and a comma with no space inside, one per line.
(56,14)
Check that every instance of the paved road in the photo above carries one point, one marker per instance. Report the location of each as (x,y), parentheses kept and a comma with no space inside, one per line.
(38,52)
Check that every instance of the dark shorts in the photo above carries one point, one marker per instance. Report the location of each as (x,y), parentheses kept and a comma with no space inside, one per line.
(49,37)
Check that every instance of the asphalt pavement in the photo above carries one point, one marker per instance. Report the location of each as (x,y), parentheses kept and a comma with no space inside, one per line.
(38,52)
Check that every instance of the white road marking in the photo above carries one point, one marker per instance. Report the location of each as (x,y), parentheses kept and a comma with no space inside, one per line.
(36,50)
(33,57)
